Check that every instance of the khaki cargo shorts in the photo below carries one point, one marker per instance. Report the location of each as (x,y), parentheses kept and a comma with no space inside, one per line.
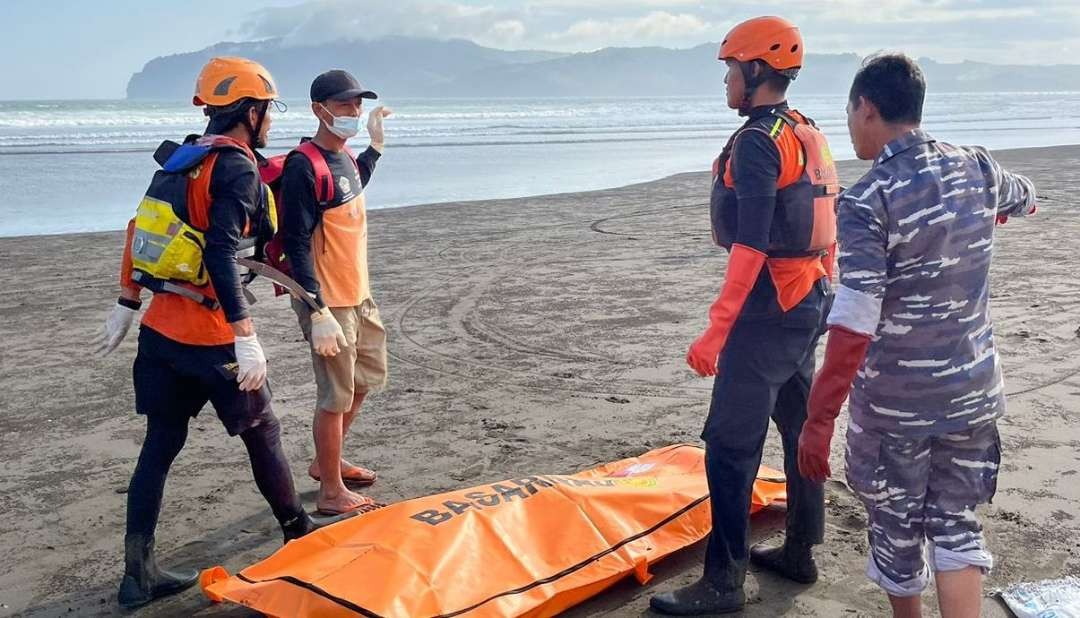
(360,367)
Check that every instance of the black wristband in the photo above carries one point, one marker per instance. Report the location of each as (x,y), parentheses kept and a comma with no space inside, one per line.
(130,304)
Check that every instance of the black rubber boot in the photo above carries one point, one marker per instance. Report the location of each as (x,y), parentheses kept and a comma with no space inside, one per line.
(793,560)
(298,526)
(143,580)
(699,598)
(303,524)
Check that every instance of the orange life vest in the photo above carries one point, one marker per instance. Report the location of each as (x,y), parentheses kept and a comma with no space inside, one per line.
(187,186)
(803,232)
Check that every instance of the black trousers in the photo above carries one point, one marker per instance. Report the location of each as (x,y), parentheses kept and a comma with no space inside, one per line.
(764,372)
(173,381)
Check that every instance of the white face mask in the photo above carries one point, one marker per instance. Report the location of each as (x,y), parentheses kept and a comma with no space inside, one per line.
(343,126)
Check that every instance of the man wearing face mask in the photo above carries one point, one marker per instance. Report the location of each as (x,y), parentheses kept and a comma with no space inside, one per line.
(324,225)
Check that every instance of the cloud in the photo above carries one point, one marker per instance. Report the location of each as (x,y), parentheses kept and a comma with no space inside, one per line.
(606,6)
(999,31)
(554,27)
(658,27)
(364,19)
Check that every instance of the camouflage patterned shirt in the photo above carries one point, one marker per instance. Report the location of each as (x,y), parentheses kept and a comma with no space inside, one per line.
(916,235)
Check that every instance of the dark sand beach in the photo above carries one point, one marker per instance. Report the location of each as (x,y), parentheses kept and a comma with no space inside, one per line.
(538,335)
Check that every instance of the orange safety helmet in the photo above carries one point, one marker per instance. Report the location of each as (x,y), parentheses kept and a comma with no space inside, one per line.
(773,40)
(226,80)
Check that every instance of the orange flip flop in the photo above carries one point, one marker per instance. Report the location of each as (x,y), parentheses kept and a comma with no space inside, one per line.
(354,477)
(366,507)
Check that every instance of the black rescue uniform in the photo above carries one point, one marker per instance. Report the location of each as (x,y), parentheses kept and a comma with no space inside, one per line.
(186,357)
(766,367)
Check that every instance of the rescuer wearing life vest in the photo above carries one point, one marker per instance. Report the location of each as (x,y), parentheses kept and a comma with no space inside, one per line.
(197,342)
(772,206)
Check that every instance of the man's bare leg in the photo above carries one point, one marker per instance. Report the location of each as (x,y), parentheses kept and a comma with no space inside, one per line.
(346,422)
(334,497)
(906,607)
(960,592)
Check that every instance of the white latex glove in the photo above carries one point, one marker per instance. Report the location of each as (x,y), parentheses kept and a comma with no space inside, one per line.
(326,335)
(115,329)
(251,373)
(375,126)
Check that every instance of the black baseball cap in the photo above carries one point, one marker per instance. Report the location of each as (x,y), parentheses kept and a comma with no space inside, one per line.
(338,85)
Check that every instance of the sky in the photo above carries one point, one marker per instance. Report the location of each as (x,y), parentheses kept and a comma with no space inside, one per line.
(63,49)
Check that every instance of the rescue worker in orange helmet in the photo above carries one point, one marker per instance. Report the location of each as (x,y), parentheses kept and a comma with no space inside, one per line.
(772,207)
(197,342)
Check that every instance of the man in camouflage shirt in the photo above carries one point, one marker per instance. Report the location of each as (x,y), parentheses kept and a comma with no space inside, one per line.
(910,326)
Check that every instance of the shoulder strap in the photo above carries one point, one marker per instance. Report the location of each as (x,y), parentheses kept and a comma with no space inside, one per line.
(779,118)
(795,118)
(803,118)
(771,125)
(217,143)
(165,151)
(270,169)
(185,157)
(792,164)
(777,125)
(324,180)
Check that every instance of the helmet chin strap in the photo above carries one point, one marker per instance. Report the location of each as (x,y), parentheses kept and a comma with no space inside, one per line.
(750,85)
(254,140)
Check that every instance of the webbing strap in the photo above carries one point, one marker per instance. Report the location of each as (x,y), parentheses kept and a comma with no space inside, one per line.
(158,285)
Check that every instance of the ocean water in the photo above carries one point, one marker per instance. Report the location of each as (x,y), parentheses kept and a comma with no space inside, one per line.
(74,166)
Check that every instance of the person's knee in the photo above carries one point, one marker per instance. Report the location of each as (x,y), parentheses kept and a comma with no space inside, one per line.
(266,432)
(324,415)
(357,401)
(726,449)
(789,413)
(335,404)
(165,437)
(897,563)
(738,432)
(971,554)
(898,578)
(956,536)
